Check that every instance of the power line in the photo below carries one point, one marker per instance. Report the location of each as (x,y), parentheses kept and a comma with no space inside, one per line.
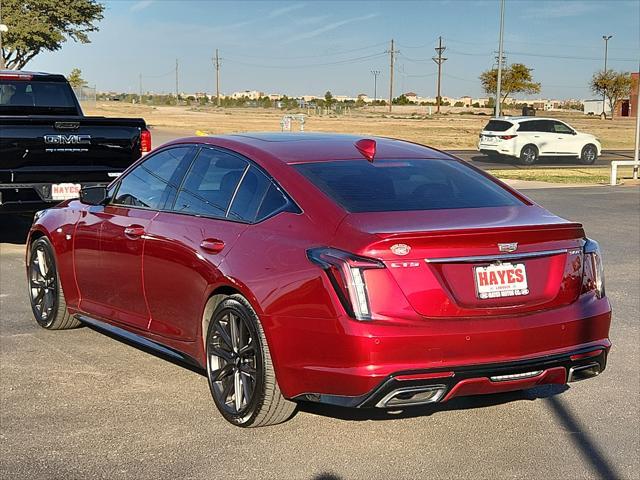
(339,62)
(320,55)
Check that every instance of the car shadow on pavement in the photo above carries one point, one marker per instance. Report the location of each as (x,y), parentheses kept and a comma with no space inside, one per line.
(462,403)
(587,446)
(14,228)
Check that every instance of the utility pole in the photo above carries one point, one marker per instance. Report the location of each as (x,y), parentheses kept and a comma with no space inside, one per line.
(216,62)
(391,53)
(375,74)
(177,81)
(500,53)
(439,61)
(606,39)
(636,153)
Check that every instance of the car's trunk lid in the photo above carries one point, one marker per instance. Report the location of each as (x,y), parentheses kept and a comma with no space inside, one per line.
(462,261)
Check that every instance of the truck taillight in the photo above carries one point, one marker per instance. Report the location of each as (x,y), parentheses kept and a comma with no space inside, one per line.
(145,141)
(15,76)
(593,269)
(346,274)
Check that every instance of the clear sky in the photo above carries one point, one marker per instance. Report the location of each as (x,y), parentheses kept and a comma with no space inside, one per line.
(311,46)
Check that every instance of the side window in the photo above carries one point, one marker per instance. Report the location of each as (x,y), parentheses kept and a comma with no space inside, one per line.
(546,126)
(250,194)
(151,183)
(210,183)
(526,126)
(559,127)
(274,200)
(257,198)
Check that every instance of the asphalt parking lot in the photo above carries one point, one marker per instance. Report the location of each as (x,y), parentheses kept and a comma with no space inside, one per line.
(78,404)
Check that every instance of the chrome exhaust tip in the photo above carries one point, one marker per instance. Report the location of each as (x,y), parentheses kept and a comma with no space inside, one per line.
(408,396)
(582,372)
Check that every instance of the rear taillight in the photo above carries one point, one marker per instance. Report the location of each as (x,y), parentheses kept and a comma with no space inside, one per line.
(506,137)
(346,274)
(145,141)
(593,271)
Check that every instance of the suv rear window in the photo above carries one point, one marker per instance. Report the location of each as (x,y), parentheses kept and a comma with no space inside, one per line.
(405,185)
(19,97)
(498,126)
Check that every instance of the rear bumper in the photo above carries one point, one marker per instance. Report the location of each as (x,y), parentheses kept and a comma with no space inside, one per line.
(349,358)
(503,148)
(436,386)
(30,197)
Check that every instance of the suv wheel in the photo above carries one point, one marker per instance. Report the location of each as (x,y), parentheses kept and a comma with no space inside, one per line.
(45,291)
(589,155)
(239,368)
(528,155)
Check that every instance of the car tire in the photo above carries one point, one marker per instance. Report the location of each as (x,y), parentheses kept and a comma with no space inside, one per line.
(45,290)
(528,155)
(589,154)
(239,365)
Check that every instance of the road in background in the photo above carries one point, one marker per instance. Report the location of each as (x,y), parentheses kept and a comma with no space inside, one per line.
(163,135)
(78,404)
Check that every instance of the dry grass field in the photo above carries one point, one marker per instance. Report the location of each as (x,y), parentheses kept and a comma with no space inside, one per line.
(446,131)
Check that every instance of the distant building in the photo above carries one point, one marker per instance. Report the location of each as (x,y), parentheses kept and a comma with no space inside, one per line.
(411,96)
(594,107)
(628,107)
(250,94)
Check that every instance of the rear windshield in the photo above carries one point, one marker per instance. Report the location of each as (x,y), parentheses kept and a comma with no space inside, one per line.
(498,126)
(19,97)
(404,185)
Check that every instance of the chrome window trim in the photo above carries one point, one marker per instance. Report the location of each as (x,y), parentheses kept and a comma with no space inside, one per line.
(493,258)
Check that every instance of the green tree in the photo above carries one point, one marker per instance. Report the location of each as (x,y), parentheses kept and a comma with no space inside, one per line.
(516,78)
(44,25)
(75,78)
(613,85)
(329,101)
(401,100)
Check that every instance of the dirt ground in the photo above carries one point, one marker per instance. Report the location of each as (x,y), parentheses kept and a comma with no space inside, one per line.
(447,131)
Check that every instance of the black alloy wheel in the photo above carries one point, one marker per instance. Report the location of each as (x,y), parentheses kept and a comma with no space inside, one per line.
(232,363)
(239,368)
(45,291)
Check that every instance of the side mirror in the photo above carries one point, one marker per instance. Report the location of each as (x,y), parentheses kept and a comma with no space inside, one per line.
(93,195)
(573,132)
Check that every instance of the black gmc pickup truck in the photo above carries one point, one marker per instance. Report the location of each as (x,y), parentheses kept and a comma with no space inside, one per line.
(49,149)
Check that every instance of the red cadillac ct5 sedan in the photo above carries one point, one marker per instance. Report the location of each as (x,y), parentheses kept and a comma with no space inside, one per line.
(325,268)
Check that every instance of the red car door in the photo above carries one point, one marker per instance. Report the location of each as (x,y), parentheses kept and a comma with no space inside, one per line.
(110,240)
(185,249)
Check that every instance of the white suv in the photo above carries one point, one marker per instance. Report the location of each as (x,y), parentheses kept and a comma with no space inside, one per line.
(528,138)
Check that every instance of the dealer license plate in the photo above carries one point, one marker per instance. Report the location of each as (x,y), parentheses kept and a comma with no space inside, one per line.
(65,191)
(501,280)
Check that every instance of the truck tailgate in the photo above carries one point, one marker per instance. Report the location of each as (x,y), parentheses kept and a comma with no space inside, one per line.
(66,148)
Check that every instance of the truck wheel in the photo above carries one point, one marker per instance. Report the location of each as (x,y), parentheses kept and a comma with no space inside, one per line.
(45,291)
(589,155)
(241,376)
(528,155)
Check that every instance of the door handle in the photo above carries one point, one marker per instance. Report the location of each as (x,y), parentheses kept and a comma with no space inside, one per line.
(134,231)
(212,245)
